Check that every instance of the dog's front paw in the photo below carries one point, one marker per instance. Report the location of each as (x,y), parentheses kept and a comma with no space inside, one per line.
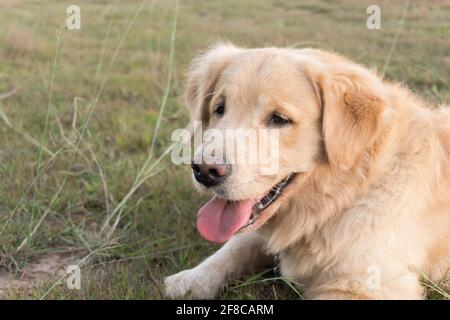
(192,283)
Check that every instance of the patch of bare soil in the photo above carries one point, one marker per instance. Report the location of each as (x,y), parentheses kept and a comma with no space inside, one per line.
(48,267)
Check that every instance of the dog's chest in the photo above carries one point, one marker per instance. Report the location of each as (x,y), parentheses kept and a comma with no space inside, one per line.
(302,261)
(319,251)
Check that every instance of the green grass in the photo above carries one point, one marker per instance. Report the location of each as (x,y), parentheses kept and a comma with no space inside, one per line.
(80,177)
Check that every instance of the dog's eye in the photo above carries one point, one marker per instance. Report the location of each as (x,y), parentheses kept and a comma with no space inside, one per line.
(278,120)
(220,108)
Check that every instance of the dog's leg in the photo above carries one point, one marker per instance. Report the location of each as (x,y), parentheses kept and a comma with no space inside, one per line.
(240,254)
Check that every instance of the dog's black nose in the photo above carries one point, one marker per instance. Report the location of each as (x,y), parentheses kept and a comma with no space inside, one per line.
(210,174)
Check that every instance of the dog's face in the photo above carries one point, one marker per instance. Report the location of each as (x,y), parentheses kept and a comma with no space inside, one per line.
(281,94)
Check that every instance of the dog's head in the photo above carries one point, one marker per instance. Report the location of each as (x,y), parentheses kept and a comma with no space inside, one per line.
(319,107)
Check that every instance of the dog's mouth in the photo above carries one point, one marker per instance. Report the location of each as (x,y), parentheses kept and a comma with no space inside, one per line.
(219,219)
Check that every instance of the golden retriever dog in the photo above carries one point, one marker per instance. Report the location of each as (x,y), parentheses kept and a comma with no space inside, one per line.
(360,205)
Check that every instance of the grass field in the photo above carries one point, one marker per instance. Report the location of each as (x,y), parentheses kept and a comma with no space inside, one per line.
(80,180)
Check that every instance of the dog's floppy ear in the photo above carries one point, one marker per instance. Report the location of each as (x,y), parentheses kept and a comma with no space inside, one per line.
(203,75)
(354,112)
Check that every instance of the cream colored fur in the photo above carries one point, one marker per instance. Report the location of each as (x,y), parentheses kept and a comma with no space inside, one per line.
(369,213)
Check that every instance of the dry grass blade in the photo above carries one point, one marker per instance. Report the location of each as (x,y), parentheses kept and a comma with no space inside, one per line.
(3,96)
(397,34)
(146,170)
(84,126)
(24,134)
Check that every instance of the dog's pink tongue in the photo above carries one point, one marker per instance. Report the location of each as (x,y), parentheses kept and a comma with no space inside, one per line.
(219,219)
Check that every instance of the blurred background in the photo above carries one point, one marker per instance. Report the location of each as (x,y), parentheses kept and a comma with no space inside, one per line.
(86,117)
